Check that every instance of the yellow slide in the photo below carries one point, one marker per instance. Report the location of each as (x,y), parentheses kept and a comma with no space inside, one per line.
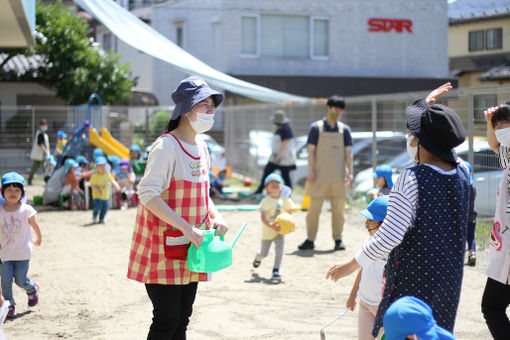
(107,143)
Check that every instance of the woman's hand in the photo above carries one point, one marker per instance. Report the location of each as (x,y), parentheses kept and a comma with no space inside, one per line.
(342,270)
(195,236)
(435,94)
(489,113)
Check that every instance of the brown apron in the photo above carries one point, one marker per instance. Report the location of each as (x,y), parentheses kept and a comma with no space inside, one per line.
(329,164)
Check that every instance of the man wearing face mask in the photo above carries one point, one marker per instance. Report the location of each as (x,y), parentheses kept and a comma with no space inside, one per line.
(40,149)
(330,170)
(174,209)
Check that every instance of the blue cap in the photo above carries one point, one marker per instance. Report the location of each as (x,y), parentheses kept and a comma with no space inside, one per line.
(12,177)
(71,163)
(97,153)
(61,134)
(190,92)
(386,172)
(470,168)
(273,177)
(82,159)
(100,160)
(376,210)
(410,315)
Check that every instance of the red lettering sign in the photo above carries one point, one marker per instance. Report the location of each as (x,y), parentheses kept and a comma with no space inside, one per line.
(386,25)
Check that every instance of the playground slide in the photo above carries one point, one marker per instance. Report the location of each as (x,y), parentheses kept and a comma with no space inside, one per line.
(107,147)
(107,136)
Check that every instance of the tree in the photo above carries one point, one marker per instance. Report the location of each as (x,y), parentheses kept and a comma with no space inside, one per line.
(71,62)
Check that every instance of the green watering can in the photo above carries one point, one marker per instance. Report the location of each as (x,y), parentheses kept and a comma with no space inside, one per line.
(213,254)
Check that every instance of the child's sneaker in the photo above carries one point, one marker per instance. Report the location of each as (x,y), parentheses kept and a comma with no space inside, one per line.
(101,221)
(33,296)
(94,219)
(256,263)
(276,275)
(471,260)
(10,313)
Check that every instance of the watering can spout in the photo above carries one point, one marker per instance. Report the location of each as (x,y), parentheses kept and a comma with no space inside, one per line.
(233,242)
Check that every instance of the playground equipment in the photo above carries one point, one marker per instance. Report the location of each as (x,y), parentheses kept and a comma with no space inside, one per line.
(213,254)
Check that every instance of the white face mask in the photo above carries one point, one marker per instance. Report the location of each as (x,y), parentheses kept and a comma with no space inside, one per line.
(203,122)
(411,150)
(44,128)
(503,136)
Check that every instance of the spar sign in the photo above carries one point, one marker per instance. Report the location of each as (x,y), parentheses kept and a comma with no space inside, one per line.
(388,25)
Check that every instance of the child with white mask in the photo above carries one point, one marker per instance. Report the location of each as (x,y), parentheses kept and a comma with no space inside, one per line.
(496,296)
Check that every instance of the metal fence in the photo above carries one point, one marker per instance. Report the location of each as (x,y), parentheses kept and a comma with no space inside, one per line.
(246,130)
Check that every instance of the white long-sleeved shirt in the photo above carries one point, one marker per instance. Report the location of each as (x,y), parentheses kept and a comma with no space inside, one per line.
(400,216)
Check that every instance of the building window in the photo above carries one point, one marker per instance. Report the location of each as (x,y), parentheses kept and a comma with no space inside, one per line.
(285,36)
(107,41)
(490,39)
(476,42)
(494,38)
(179,36)
(249,35)
(320,38)
(481,103)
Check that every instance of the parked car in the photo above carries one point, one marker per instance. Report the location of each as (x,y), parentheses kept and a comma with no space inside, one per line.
(389,144)
(486,173)
(216,151)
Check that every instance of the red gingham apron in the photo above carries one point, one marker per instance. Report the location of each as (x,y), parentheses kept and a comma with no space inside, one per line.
(152,259)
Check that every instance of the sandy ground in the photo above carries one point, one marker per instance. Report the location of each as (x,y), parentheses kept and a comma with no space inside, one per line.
(85,293)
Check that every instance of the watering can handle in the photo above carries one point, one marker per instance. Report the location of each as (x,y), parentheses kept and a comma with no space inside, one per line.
(222,238)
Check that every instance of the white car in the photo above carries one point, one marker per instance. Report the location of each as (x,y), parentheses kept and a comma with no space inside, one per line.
(486,174)
(389,143)
(216,151)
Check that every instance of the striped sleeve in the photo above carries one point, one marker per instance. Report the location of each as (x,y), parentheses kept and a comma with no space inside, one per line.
(504,156)
(400,216)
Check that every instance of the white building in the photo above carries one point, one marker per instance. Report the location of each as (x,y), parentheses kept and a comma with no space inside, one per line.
(311,48)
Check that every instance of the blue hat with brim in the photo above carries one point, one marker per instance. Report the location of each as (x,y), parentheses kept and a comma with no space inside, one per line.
(12,177)
(100,160)
(386,172)
(273,177)
(190,92)
(97,153)
(376,210)
(61,134)
(410,315)
(82,159)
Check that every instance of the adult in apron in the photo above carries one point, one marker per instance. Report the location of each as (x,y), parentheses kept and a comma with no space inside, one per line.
(496,296)
(330,159)
(174,209)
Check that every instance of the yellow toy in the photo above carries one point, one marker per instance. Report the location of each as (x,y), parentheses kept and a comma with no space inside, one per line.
(287,222)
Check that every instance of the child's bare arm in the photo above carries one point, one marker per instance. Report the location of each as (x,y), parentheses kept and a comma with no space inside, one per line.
(115,184)
(342,270)
(272,225)
(351,301)
(491,136)
(37,231)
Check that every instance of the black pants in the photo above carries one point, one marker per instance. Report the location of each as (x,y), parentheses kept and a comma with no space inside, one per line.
(495,301)
(285,171)
(172,307)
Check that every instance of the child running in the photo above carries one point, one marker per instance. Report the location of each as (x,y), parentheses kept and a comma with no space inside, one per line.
(270,207)
(16,240)
(100,184)
(368,285)
(496,296)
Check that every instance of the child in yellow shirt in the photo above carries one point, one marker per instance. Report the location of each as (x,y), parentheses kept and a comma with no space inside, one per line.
(100,184)
(270,207)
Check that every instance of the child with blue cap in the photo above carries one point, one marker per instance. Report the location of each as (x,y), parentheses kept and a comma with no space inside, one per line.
(16,245)
(369,282)
(61,144)
(411,318)
(383,181)
(100,184)
(270,207)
